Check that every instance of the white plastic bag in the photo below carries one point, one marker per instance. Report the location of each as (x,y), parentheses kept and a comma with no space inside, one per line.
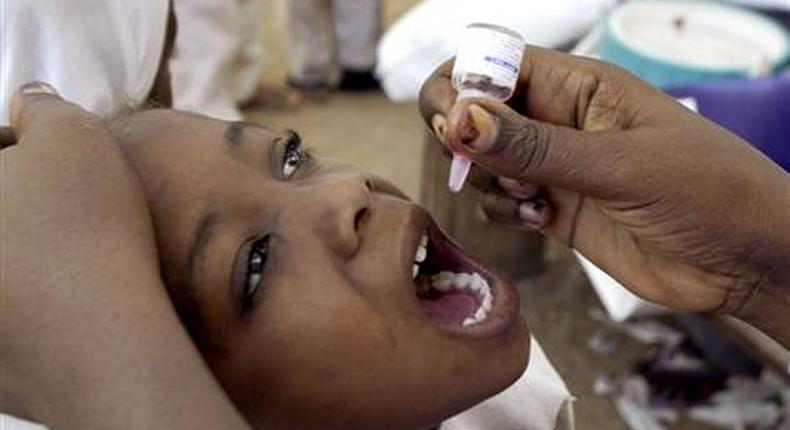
(619,303)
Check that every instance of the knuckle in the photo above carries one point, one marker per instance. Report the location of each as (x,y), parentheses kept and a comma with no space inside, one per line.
(527,147)
(499,209)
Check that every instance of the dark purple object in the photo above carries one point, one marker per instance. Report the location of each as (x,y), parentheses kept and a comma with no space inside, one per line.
(757,110)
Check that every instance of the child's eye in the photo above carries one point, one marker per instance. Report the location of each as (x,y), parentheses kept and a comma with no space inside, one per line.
(256,263)
(294,155)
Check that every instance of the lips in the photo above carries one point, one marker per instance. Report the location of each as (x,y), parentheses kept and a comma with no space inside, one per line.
(456,293)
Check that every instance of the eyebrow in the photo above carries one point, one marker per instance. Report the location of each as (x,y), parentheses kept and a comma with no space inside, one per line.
(200,237)
(235,131)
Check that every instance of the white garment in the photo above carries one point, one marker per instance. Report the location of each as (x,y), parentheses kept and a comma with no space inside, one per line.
(8,422)
(427,35)
(315,27)
(218,57)
(100,54)
(535,402)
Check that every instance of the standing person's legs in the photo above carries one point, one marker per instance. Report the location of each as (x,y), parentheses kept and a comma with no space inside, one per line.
(206,46)
(357,26)
(247,66)
(309,43)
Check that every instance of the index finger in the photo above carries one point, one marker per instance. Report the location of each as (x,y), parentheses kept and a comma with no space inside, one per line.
(437,94)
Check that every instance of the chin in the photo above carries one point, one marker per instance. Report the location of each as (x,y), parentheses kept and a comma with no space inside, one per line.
(470,305)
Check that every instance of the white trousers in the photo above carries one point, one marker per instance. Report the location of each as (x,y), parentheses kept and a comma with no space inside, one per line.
(315,27)
(218,58)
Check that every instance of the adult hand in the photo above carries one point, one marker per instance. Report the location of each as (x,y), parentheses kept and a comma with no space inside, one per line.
(680,211)
(90,339)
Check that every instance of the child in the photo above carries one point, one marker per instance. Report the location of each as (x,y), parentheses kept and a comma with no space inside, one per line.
(296,275)
(313,290)
(319,296)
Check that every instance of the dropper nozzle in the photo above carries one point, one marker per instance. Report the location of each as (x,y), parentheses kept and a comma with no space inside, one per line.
(459,170)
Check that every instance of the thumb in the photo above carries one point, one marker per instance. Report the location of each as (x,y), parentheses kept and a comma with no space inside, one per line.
(39,116)
(8,135)
(29,94)
(509,144)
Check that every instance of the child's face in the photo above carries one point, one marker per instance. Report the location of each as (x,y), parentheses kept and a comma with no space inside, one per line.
(296,281)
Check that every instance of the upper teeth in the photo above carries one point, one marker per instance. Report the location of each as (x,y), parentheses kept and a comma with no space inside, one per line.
(447,281)
(420,255)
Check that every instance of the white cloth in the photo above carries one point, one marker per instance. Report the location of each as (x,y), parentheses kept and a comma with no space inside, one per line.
(7,422)
(218,57)
(428,34)
(620,303)
(100,54)
(314,27)
(534,402)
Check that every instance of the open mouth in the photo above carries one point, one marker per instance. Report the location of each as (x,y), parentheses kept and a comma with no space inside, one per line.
(457,293)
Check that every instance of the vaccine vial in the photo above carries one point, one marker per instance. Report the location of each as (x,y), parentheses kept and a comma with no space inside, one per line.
(487,64)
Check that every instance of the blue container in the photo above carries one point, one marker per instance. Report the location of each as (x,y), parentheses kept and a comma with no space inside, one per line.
(661,68)
(757,110)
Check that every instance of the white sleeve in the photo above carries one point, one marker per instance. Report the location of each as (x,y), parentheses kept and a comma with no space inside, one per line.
(101,54)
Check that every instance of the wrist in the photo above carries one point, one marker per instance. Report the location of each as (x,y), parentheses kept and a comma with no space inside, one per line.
(768,309)
(767,306)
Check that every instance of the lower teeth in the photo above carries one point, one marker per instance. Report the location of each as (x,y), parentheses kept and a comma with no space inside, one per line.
(450,281)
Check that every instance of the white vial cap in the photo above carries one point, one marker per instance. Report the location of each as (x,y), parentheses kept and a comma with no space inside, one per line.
(486,65)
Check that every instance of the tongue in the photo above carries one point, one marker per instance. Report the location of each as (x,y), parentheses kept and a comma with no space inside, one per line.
(450,308)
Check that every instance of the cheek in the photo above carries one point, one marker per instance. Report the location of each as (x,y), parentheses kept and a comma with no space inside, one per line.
(313,352)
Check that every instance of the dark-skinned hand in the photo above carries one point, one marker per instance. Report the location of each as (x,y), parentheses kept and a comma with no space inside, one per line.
(676,208)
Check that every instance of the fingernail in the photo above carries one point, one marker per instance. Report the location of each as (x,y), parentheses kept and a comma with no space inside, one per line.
(479,130)
(516,188)
(439,125)
(37,87)
(534,213)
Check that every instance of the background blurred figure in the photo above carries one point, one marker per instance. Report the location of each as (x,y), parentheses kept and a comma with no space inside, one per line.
(327,35)
(218,60)
(113,64)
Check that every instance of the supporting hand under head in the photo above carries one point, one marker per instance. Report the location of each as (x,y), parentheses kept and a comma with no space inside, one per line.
(679,210)
(84,312)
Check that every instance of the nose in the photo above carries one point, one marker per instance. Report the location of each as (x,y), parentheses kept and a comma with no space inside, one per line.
(343,205)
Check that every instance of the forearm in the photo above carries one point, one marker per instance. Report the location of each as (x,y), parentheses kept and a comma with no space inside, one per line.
(110,361)
(90,339)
